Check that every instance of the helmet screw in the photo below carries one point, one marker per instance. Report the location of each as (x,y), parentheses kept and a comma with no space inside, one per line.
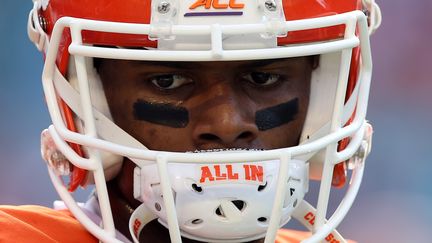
(164,7)
(270,5)
(43,23)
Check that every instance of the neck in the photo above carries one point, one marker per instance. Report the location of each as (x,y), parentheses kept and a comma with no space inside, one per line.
(122,202)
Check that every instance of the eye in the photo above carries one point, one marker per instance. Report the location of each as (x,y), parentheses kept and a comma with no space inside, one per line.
(170,81)
(262,78)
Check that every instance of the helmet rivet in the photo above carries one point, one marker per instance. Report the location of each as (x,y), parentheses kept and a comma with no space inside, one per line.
(164,7)
(270,5)
(43,23)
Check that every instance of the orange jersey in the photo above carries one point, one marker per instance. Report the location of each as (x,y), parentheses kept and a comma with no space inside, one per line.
(41,224)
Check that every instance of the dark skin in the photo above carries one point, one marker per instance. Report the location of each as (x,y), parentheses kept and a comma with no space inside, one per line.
(222,99)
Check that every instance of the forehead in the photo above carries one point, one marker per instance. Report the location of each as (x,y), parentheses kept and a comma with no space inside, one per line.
(199,66)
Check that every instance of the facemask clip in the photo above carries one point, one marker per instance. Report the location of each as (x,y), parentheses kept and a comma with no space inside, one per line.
(273,18)
(164,16)
(364,148)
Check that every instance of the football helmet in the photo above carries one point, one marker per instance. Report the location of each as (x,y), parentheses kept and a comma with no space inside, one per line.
(85,145)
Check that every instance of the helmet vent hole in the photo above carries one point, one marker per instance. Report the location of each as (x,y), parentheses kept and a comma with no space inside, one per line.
(197,221)
(295,203)
(239,204)
(158,207)
(262,187)
(196,188)
(262,219)
(219,212)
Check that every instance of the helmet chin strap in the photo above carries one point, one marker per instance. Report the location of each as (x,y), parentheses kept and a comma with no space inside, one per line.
(305,214)
(140,218)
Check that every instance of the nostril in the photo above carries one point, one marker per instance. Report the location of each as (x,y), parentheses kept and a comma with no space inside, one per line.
(245,135)
(209,137)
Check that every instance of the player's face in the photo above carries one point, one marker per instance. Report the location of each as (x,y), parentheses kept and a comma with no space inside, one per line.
(188,106)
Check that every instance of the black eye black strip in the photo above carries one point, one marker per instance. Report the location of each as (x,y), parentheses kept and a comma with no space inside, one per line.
(161,114)
(276,116)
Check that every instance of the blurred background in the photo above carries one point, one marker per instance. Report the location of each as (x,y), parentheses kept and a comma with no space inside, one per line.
(395,200)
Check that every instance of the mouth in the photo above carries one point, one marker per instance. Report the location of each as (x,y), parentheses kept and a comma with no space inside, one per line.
(219,150)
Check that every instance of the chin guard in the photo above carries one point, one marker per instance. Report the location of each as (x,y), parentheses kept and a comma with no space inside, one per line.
(215,202)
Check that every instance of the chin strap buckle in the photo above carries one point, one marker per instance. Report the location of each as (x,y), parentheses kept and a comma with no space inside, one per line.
(364,149)
(52,156)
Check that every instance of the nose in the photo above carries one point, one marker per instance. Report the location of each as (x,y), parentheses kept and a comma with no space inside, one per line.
(225,120)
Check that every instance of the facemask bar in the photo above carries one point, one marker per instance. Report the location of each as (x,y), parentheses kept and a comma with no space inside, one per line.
(50,67)
(215,31)
(91,140)
(335,124)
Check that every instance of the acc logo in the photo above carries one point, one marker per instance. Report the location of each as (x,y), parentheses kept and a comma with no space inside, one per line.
(215,4)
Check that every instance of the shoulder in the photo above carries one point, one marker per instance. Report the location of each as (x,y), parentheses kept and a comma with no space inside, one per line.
(291,236)
(294,236)
(40,224)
